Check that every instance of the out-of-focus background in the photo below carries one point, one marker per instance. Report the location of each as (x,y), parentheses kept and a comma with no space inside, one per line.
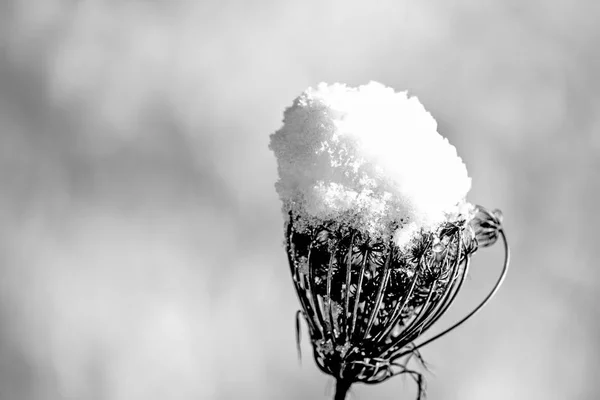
(141,237)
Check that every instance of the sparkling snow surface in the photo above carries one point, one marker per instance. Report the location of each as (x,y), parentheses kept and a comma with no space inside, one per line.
(370,158)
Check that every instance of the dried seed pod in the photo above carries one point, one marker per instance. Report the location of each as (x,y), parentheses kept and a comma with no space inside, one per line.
(367,301)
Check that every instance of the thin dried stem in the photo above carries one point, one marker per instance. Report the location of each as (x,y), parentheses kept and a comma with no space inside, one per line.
(342,387)
(397,313)
(347,291)
(313,292)
(380,291)
(331,329)
(302,297)
(482,304)
(358,292)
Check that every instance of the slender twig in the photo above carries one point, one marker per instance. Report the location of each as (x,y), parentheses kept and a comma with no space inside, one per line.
(358,292)
(331,329)
(397,313)
(342,387)
(380,291)
(450,292)
(482,304)
(441,304)
(302,297)
(421,316)
(298,336)
(313,292)
(347,291)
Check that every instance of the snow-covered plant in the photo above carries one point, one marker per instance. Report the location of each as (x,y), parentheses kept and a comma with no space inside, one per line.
(378,230)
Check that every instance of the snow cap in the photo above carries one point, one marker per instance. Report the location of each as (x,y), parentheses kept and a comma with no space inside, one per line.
(368,158)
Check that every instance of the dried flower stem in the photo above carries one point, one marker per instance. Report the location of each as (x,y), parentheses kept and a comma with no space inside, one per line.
(342,387)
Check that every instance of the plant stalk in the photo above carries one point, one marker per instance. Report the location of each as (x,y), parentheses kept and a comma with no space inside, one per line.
(341,389)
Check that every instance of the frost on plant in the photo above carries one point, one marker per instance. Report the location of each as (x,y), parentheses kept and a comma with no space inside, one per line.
(378,230)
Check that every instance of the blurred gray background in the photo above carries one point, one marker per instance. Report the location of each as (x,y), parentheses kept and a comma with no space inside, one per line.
(141,237)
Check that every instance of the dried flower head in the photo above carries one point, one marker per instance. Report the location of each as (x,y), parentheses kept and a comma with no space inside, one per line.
(379,235)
